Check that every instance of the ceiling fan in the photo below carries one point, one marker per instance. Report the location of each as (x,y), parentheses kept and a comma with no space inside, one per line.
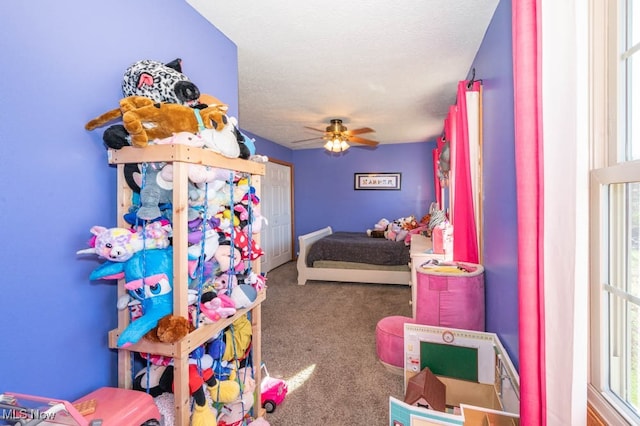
(338,136)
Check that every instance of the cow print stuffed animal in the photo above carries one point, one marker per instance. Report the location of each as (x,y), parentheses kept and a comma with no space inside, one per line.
(163,83)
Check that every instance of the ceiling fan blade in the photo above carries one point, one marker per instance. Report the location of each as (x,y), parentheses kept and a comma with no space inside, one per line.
(311,128)
(306,140)
(362,141)
(360,131)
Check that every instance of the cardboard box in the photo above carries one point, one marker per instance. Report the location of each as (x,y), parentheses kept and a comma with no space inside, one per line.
(482,387)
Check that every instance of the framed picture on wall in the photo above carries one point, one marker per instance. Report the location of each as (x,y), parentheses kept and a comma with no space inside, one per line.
(379,181)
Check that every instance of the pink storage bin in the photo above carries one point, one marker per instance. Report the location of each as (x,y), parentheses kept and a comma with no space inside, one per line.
(390,342)
(454,300)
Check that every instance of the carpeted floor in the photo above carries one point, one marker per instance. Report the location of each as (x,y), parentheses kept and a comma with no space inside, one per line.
(320,338)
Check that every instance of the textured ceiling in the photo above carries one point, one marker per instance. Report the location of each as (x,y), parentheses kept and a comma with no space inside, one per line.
(390,66)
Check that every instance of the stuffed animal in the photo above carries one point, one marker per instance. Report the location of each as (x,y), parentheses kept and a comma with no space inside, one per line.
(258,221)
(258,281)
(199,174)
(238,339)
(249,143)
(181,138)
(157,81)
(225,281)
(149,278)
(170,329)
(250,195)
(204,249)
(444,162)
(159,379)
(408,222)
(145,120)
(216,306)
(223,141)
(378,229)
(227,259)
(238,411)
(120,244)
(155,194)
(152,194)
(160,82)
(381,225)
(395,232)
(243,295)
(248,246)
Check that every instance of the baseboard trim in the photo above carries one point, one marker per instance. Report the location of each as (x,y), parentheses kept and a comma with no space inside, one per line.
(593,418)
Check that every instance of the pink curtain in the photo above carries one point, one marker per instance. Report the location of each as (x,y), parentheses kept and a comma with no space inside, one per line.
(465,240)
(436,174)
(530,192)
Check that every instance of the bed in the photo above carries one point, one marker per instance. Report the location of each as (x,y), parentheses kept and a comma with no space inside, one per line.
(330,267)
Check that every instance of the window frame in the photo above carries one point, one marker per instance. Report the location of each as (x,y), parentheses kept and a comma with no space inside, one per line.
(608,166)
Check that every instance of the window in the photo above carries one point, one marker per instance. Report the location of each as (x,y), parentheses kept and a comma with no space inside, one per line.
(614,382)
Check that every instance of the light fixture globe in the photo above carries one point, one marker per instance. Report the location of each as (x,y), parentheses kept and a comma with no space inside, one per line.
(336,144)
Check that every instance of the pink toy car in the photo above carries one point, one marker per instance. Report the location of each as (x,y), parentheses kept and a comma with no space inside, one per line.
(272,391)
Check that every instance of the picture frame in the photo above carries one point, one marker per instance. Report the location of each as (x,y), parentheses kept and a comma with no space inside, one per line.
(377,181)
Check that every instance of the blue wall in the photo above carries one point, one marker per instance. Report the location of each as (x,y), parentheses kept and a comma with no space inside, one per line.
(323,182)
(494,65)
(324,193)
(270,149)
(62,63)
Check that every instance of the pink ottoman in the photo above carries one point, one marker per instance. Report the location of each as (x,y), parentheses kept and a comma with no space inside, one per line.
(390,342)
(453,300)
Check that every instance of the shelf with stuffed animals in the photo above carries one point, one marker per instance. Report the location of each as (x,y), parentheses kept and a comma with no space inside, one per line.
(193,278)
(185,251)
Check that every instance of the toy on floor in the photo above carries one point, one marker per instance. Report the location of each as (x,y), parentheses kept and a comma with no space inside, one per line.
(272,391)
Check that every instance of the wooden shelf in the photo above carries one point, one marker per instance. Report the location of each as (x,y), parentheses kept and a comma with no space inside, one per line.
(181,156)
(188,343)
(185,154)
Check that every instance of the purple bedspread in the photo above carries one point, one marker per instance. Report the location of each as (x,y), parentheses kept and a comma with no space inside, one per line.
(358,247)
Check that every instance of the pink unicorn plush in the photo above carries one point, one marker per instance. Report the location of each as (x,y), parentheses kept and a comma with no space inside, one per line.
(120,244)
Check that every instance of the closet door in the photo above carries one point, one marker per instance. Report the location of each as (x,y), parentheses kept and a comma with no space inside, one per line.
(276,207)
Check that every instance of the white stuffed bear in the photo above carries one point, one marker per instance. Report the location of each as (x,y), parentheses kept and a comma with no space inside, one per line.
(236,411)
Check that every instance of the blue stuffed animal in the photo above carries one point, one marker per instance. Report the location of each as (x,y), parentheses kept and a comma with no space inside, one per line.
(148,278)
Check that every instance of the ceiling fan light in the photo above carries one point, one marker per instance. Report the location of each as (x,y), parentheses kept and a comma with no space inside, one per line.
(336,145)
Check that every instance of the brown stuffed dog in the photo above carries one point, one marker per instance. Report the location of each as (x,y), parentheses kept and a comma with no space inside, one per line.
(146,120)
(170,329)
